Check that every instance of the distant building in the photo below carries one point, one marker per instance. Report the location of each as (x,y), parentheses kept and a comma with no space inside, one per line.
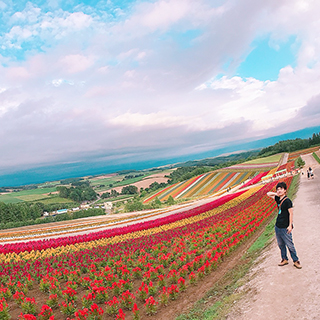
(62,211)
(108,207)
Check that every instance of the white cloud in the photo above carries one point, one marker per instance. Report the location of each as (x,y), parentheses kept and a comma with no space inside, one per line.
(164,13)
(45,26)
(74,63)
(91,83)
(76,21)
(18,73)
(59,82)
(152,120)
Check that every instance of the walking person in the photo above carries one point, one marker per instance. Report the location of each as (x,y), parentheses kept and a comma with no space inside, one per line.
(284,225)
(311,172)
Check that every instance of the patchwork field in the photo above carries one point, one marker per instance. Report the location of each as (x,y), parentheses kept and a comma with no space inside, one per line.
(208,184)
(28,195)
(143,182)
(117,182)
(297,154)
(130,271)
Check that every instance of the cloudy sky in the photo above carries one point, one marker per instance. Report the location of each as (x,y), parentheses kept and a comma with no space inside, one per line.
(127,80)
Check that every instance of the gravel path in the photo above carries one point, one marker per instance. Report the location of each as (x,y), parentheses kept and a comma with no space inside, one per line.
(285,292)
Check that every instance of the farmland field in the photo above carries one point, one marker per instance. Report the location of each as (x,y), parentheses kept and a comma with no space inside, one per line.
(207,184)
(117,181)
(27,195)
(131,269)
(273,158)
(294,155)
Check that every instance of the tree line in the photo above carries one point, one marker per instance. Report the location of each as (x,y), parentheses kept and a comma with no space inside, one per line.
(13,215)
(126,190)
(80,193)
(291,145)
(11,212)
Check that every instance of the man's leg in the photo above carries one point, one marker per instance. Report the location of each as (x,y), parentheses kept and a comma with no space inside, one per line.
(289,243)
(281,243)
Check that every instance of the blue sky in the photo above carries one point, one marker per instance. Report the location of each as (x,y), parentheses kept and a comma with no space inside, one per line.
(265,61)
(131,81)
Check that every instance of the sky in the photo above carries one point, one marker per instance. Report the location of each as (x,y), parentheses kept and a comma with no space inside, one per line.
(123,82)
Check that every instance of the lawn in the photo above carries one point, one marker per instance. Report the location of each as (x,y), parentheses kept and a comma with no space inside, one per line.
(270,159)
(55,199)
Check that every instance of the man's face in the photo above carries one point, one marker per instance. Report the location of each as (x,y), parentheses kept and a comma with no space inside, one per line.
(281,192)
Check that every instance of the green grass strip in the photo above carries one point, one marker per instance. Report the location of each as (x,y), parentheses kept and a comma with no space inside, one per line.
(316,157)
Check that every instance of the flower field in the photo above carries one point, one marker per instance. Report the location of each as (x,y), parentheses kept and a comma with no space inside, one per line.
(127,272)
(297,154)
(220,180)
(203,185)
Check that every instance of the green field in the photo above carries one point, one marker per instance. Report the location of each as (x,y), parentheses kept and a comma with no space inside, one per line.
(55,199)
(118,198)
(273,158)
(117,181)
(105,181)
(27,195)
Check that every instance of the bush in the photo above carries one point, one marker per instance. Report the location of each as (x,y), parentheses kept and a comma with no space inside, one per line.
(299,163)
(134,206)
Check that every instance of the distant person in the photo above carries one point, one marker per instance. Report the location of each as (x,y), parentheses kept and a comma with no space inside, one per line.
(308,174)
(311,172)
(284,225)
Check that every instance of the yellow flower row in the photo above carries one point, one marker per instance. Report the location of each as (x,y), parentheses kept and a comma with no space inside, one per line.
(33,255)
(38,233)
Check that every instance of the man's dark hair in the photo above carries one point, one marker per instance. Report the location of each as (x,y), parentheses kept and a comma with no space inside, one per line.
(281,185)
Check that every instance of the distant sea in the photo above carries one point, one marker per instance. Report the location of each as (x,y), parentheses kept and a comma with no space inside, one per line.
(79,169)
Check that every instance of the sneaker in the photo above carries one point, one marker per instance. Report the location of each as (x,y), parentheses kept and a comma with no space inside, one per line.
(297,264)
(283,262)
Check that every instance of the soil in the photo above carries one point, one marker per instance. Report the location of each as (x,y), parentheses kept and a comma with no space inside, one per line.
(144,183)
(274,292)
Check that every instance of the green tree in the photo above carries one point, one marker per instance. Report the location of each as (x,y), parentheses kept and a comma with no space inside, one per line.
(89,194)
(134,206)
(114,193)
(106,195)
(64,192)
(131,189)
(156,203)
(170,201)
(35,211)
(75,195)
(300,163)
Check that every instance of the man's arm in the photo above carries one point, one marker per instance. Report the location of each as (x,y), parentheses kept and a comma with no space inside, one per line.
(271,194)
(290,220)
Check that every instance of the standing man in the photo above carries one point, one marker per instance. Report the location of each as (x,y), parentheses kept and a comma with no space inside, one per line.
(284,225)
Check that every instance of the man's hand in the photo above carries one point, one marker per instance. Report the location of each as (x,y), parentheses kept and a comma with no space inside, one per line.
(271,194)
(289,229)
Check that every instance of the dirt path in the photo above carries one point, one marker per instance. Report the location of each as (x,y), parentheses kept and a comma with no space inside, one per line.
(285,292)
(284,159)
